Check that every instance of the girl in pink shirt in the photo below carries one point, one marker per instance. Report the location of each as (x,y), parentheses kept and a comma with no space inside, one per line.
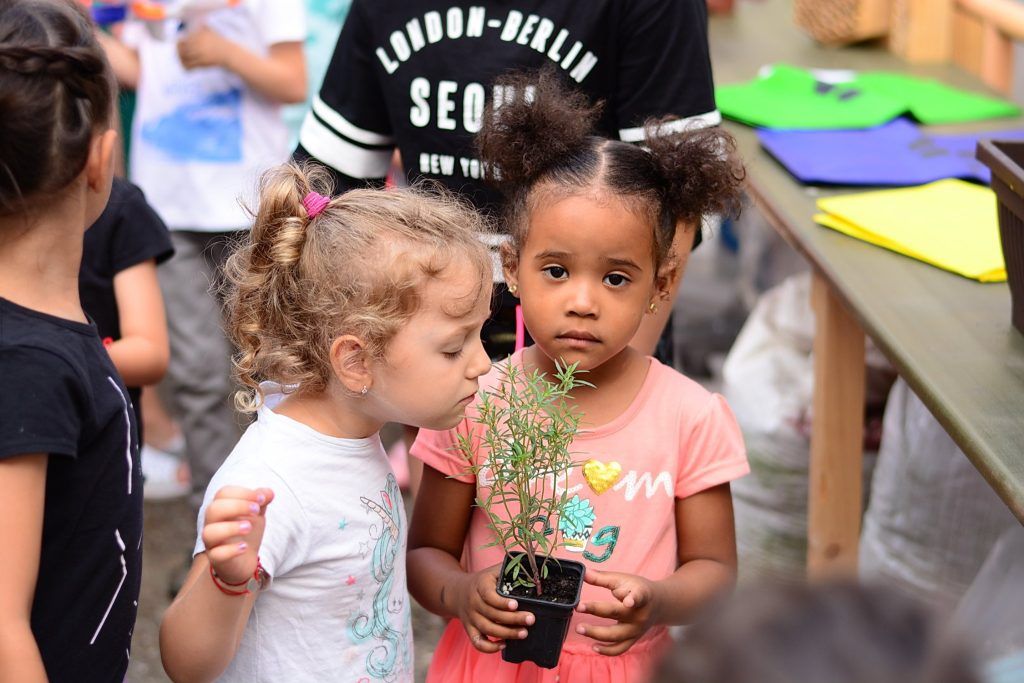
(593,248)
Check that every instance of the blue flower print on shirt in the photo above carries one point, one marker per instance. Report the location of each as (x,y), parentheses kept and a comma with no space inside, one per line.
(206,130)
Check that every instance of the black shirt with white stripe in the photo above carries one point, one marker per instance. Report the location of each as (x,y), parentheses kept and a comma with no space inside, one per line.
(62,397)
(415,74)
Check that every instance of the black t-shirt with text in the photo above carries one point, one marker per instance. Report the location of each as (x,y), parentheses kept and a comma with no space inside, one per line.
(416,74)
(64,398)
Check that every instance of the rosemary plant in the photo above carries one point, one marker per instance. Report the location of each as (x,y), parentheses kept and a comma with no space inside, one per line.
(522,461)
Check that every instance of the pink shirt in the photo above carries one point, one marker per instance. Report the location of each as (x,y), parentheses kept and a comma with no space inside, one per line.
(674,440)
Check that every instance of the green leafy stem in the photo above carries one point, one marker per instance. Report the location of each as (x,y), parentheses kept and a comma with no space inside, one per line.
(529,424)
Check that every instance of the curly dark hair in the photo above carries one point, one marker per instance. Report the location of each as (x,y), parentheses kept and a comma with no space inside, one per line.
(540,143)
(56,91)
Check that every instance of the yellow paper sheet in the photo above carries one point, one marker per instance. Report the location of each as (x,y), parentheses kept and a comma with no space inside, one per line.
(951,224)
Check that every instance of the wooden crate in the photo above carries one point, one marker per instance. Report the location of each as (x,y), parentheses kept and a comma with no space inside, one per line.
(839,22)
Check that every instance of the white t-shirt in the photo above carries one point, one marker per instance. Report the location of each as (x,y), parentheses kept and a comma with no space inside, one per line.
(201,138)
(337,605)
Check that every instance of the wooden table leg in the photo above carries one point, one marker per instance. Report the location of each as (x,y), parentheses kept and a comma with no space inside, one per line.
(834,495)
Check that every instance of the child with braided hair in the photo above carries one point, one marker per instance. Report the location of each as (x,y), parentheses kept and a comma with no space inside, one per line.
(348,312)
(592,222)
(70,483)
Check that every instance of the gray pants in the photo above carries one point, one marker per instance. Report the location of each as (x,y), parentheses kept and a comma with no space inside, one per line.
(198,388)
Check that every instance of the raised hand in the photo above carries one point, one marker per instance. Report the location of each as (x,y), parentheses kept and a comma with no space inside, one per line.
(233,531)
(203,47)
(632,608)
(489,618)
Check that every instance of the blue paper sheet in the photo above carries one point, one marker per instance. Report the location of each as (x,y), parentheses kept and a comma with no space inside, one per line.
(898,153)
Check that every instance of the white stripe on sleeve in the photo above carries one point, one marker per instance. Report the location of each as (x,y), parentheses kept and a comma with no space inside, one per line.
(342,125)
(711,118)
(340,154)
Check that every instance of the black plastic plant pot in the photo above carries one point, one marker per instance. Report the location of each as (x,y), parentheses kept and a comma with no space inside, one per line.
(543,643)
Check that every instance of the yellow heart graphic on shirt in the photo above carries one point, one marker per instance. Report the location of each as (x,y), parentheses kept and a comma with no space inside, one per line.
(601,475)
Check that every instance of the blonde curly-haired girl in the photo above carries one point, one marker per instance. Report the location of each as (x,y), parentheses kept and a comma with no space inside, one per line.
(348,312)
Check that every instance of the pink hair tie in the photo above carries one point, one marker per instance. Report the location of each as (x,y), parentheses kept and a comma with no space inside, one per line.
(315,203)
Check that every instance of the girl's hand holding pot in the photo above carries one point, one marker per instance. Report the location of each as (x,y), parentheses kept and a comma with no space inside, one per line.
(633,609)
(489,618)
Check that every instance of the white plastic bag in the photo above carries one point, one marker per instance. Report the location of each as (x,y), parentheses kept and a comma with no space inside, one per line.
(932,519)
(989,614)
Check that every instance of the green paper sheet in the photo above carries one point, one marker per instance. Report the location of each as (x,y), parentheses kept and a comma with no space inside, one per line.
(788,98)
(950,224)
(791,98)
(932,102)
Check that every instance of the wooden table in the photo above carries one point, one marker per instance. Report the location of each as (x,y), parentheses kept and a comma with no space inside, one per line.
(949,337)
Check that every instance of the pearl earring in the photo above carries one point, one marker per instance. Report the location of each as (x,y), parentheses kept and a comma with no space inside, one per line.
(512,288)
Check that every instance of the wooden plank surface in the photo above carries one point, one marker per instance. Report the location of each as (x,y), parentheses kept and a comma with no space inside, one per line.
(996,59)
(949,337)
(921,31)
(968,36)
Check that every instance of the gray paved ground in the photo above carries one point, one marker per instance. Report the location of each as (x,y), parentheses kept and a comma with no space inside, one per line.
(169,535)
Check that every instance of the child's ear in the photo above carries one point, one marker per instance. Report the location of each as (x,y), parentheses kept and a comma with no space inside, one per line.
(99,173)
(510,265)
(99,167)
(666,279)
(350,363)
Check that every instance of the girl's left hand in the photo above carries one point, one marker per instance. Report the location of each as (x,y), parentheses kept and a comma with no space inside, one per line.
(633,609)
(202,47)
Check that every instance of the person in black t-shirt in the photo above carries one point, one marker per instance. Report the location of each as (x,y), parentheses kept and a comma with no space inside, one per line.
(70,484)
(119,288)
(415,75)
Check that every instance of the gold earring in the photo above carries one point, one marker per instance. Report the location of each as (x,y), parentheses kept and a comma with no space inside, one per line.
(652,307)
(513,288)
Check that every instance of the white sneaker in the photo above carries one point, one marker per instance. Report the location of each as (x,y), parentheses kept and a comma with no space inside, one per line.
(165,475)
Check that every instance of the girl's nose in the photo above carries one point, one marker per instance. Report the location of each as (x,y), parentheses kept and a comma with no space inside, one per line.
(582,301)
(480,363)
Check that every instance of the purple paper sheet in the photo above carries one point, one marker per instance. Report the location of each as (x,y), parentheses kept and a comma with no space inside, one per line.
(898,153)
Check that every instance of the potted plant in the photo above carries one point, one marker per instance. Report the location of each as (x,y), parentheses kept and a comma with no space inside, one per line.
(522,460)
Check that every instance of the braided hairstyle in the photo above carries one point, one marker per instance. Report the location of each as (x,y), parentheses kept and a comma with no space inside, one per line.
(358,267)
(56,91)
(540,147)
